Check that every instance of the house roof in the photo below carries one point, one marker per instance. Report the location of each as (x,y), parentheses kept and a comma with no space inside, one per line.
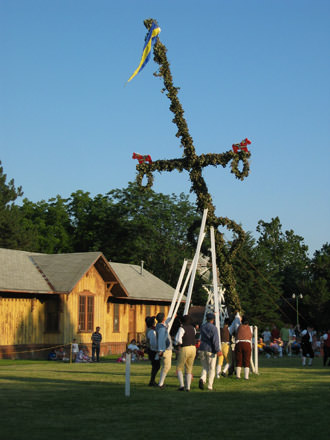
(31,272)
(42,273)
(145,286)
(19,274)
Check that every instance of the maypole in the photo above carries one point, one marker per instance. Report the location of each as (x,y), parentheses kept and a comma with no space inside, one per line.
(224,252)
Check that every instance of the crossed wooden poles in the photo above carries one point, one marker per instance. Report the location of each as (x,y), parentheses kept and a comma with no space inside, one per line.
(194,165)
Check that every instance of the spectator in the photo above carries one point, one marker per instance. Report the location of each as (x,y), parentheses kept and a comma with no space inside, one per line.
(96,344)
(137,353)
(52,356)
(275,333)
(292,337)
(266,335)
(261,346)
(75,349)
(285,336)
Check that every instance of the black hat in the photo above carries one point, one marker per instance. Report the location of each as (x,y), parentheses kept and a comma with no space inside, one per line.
(210,316)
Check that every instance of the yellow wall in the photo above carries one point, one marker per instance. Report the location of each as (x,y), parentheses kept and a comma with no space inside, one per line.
(22,321)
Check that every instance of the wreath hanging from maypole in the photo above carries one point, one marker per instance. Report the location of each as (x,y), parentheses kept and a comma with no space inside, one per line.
(194,164)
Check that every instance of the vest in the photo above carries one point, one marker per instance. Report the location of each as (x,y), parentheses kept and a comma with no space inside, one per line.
(244,333)
(225,335)
(189,335)
(327,341)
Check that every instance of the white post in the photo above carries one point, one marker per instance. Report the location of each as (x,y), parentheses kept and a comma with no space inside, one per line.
(128,375)
(177,290)
(256,351)
(175,311)
(215,284)
(195,262)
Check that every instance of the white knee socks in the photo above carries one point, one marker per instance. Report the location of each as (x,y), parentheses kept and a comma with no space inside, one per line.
(180,377)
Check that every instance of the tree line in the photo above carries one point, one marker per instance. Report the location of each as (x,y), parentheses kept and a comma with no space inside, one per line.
(129,225)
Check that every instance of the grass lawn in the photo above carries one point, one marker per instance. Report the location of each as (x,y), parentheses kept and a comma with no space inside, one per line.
(51,400)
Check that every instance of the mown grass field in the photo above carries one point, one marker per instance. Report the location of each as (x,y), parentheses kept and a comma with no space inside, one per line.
(51,400)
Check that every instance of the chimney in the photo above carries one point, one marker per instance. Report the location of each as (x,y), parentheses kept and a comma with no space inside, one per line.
(141,269)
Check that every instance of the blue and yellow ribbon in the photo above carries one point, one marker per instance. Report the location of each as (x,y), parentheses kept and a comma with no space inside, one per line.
(150,41)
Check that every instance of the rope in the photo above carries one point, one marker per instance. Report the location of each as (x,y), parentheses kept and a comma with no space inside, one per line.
(40,349)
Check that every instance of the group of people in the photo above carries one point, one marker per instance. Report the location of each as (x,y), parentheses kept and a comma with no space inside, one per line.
(160,346)
(290,341)
(79,354)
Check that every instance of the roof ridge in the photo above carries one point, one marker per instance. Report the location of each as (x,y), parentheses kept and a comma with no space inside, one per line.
(42,274)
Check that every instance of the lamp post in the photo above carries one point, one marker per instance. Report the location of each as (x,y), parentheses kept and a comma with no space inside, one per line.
(297,296)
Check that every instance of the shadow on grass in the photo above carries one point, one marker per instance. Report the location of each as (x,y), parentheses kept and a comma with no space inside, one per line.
(58,406)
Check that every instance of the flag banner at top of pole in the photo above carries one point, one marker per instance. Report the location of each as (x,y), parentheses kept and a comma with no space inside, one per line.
(150,41)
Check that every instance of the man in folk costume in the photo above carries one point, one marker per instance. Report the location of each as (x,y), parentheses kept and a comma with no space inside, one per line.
(326,348)
(164,347)
(225,350)
(209,351)
(306,345)
(233,330)
(151,338)
(243,349)
(185,339)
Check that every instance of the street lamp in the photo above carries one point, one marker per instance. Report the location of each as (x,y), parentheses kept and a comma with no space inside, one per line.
(299,295)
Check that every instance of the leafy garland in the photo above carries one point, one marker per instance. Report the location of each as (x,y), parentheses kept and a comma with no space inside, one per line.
(194,165)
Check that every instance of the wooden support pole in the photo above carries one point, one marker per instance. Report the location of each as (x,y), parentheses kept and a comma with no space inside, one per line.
(195,262)
(177,290)
(215,284)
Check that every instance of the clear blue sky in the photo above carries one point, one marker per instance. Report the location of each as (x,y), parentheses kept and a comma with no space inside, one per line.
(256,69)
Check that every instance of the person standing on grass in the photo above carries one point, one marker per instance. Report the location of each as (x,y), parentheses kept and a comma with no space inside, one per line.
(285,336)
(209,351)
(326,348)
(225,350)
(96,344)
(151,337)
(306,345)
(164,347)
(185,339)
(243,349)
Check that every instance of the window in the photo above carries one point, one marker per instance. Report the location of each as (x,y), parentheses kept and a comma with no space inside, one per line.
(86,313)
(148,310)
(162,309)
(116,318)
(52,315)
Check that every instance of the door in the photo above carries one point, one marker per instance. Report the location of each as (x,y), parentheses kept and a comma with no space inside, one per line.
(132,322)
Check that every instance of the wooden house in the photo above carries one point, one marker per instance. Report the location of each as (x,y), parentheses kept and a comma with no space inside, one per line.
(47,300)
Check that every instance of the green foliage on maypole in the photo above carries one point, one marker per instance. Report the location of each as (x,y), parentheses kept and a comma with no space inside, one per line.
(194,165)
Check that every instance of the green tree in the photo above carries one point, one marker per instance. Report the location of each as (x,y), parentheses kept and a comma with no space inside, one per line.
(50,225)
(316,301)
(257,286)
(13,234)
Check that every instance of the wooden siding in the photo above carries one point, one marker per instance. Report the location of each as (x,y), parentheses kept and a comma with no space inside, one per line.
(22,317)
